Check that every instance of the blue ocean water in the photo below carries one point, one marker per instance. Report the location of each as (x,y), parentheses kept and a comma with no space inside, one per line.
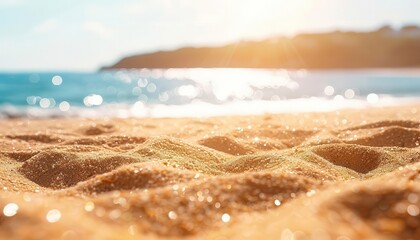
(200,92)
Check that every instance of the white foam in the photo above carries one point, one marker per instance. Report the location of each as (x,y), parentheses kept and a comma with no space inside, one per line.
(204,109)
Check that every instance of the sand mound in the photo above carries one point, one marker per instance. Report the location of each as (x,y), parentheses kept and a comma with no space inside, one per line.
(177,153)
(340,175)
(43,138)
(124,142)
(185,209)
(387,137)
(392,210)
(59,170)
(97,129)
(360,210)
(253,163)
(134,177)
(358,158)
(388,123)
(21,156)
(280,136)
(11,179)
(226,145)
(283,162)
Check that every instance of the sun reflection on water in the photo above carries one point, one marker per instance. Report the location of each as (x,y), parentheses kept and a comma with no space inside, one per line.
(163,92)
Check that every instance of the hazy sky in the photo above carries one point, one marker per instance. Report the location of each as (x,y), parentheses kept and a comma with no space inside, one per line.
(86,34)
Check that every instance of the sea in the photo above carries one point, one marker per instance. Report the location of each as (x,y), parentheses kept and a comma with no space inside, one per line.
(201,92)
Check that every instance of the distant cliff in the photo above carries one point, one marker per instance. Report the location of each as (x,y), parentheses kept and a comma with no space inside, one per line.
(383,48)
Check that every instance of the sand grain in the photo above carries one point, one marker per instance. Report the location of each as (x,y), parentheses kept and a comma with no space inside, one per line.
(339,175)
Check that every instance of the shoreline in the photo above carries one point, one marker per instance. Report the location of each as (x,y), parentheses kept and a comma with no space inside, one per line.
(204,109)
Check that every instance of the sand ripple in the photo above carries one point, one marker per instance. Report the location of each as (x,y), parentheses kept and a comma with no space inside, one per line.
(286,176)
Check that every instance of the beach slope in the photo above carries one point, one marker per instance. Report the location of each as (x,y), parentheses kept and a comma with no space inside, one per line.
(351,174)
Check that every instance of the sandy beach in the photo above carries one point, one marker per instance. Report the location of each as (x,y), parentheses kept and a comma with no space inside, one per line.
(350,174)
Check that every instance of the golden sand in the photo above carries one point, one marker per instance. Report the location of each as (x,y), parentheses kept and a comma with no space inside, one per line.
(339,175)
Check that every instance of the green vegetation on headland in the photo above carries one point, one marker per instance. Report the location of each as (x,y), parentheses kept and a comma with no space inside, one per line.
(383,48)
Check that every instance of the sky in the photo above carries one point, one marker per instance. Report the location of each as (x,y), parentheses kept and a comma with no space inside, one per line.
(83,35)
